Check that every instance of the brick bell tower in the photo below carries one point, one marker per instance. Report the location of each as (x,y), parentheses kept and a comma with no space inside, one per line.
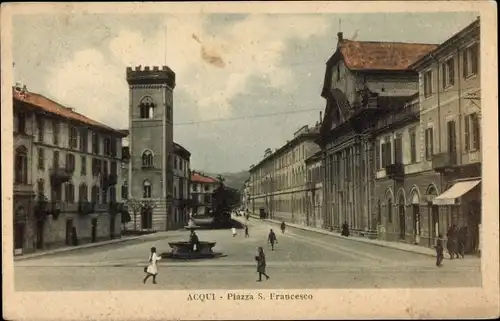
(151,143)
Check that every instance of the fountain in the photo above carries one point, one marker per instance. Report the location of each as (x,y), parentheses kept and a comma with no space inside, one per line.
(185,250)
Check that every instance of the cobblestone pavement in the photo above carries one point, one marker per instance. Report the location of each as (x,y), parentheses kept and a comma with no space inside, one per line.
(302,259)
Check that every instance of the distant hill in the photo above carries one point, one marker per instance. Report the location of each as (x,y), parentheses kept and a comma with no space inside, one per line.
(233,180)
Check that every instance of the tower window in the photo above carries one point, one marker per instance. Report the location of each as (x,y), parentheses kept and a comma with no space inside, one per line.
(146,108)
(147,159)
(146,187)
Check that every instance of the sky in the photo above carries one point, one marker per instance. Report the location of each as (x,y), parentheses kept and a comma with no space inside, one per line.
(244,82)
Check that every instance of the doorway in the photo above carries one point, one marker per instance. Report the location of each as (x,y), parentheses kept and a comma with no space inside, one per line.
(39,234)
(402,218)
(146,218)
(94,230)
(19,237)
(112,219)
(69,230)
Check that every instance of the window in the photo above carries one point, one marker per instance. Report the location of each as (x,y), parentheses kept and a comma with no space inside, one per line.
(472,128)
(175,162)
(379,212)
(428,83)
(83,193)
(41,158)
(386,152)
(95,143)
(113,147)
(207,188)
(83,169)
(96,166)
(21,165)
(55,132)
(125,190)
(40,127)
(452,146)
(169,113)
(147,159)
(413,145)
(58,193)
(95,194)
(70,163)
(21,123)
(55,160)
(470,60)
(398,149)
(40,189)
(448,73)
(146,188)
(107,146)
(114,168)
(378,162)
(84,140)
(112,194)
(70,193)
(195,187)
(146,108)
(389,211)
(105,168)
(429,143)
(73,137)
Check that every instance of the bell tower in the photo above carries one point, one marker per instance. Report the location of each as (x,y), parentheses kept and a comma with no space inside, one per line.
(151,142)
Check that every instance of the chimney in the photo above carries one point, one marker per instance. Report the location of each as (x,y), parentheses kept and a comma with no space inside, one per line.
(340,37)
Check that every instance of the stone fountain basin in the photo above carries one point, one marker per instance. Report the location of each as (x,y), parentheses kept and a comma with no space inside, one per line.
(182,250)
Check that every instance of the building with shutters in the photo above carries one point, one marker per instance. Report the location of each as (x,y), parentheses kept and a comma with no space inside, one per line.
(279,180)
(67,169)
(448,189)
(181,191)
(364,81)
(314,188)
(201,189)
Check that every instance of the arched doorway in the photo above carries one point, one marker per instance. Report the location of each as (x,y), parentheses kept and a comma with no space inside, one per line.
(402,218)
(415,204)
(146,218)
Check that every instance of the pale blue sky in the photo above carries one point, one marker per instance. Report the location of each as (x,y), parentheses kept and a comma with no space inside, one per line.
(274,64)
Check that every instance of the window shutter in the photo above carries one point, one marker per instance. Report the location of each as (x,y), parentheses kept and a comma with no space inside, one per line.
(474,58)
(467,132)
(431,142)
(464,64)
(443,74)
(476,129)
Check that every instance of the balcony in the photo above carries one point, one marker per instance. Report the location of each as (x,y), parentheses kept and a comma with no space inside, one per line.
(85,207)
(59,176)
(444,162)
(409,113)
(395,171)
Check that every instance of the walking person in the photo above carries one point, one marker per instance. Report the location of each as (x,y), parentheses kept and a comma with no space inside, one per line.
(234,231)
(439,250)
(345,229)
(272,239)
(246,231)
(283,227)
(452,243)
(462,240)
(152,268)
(261,264)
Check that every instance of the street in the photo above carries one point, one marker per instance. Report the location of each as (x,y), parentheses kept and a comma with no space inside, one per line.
(301,259)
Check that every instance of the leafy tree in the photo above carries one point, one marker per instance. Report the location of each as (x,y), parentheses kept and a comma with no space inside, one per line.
(223,200)
(137,206)
(125,219)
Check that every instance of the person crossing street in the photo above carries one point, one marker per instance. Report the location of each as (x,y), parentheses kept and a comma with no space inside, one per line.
(272,239)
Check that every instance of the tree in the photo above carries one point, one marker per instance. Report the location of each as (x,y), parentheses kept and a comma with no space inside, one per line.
(135,206)
(223,200)
(125,219)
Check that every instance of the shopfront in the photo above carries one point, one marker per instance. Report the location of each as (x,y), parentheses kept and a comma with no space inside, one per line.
(463,203)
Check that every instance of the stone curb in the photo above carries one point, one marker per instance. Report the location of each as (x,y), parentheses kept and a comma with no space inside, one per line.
(422,251)
(74,248)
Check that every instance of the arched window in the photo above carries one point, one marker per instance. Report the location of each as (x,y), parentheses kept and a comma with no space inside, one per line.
(146,187)
(70,193)
(21,165)
(146,107)
(147,159)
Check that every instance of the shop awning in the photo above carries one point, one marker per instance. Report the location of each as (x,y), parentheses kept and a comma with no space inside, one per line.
(458,189)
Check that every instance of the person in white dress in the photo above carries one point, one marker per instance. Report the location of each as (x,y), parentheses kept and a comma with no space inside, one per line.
(152,268)
(234,231)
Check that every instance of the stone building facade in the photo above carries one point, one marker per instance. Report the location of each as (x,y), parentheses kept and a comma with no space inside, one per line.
(314,187)
(181,191)
(279,180)
(67,169)
(450,122)
(151,143)
(201,189)
(363,81)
